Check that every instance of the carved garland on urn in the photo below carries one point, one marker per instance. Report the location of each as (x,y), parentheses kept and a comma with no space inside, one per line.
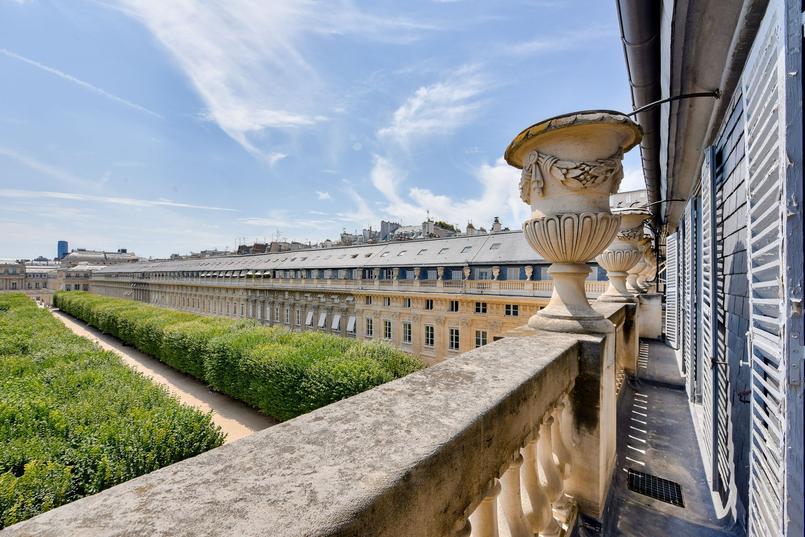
(575,175)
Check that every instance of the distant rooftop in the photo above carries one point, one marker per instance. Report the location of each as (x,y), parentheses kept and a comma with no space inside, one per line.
(496,248)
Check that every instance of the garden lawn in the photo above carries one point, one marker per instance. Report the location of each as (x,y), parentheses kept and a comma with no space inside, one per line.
(74,420)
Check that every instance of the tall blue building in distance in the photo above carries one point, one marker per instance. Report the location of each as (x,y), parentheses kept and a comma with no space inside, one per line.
(61,249)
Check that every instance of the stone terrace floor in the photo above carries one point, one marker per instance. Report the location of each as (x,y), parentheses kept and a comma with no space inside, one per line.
(656,436)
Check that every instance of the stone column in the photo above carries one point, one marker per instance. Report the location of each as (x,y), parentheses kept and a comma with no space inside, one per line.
(622,255)
(571,164)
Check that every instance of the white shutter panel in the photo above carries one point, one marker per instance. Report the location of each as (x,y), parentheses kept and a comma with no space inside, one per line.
(689,309)
(707,310)
(672,290)
(774,252)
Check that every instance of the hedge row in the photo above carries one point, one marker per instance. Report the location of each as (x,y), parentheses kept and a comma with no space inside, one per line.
(281,373)
(75,420)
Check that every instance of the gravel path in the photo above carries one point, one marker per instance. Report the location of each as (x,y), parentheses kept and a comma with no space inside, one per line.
(236,419)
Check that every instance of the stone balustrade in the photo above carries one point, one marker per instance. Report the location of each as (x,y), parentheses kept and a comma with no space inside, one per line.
(524,426)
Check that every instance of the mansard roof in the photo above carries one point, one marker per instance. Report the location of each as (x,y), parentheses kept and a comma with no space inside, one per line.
(492,249)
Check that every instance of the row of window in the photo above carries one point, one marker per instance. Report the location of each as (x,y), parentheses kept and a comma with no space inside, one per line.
(511,310)
(454,334)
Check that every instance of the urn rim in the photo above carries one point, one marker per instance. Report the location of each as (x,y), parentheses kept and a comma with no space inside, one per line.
(515,151)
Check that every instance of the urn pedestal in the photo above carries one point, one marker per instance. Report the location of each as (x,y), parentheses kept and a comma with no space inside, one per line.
(570,166)
(623,254)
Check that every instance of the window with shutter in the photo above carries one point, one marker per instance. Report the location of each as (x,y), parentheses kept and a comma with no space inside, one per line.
(706,309)
(672,290)
(689,309)
(772,88)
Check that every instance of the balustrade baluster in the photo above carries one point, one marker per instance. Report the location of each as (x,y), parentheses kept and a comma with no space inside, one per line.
(484,520)
(541,516)
(566,425)
(560,450)
(512,502)
(553,481)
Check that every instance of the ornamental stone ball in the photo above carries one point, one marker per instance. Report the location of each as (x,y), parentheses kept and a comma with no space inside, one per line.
(570,166)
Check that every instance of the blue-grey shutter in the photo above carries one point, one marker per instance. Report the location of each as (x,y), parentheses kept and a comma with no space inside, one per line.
(707,304)
(773,99)
(689,288)
(672,290)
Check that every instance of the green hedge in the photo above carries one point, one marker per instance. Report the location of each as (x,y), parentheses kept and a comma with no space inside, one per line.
(75,420)
(281,373)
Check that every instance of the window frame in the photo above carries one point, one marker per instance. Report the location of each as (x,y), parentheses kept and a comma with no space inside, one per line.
(454,339)
(430,336)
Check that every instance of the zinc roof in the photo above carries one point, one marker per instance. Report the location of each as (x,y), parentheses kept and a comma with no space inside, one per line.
(496,248)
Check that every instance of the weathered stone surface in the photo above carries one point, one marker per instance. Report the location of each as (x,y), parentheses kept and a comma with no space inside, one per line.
(411,457)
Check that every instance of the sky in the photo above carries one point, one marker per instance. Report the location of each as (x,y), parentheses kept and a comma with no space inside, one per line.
(174,126)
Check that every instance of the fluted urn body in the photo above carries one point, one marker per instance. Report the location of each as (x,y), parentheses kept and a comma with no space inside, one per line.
(570,166)
(646,277)
(633,283)
(623,254)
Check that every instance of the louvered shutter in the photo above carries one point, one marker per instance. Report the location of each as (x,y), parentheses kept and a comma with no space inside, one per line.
(707,310)
(689,309)
(774,251)
(672,290)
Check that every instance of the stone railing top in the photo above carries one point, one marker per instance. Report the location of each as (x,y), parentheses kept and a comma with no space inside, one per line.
(411,457)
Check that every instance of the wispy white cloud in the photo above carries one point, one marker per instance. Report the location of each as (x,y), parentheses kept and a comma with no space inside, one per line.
(44,168)
(570,40)
(438,108)
(283,220)
(274,157)
(247,60)
(79,82)
(323,195)
(498,196)
(114,200)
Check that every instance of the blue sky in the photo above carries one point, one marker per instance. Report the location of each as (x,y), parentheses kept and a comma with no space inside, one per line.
(174,126)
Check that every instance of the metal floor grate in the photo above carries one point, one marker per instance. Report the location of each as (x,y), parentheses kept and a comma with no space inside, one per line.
(656,487)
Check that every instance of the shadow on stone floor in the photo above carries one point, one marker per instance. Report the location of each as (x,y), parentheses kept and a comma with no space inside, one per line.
(656,436)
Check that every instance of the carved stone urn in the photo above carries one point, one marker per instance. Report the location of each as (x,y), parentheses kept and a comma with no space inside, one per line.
(570,166)
(632,283)
(648,258)
(622,255)
(645,278)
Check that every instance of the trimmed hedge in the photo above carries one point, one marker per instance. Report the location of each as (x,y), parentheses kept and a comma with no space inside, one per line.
(75,420)
(281,373)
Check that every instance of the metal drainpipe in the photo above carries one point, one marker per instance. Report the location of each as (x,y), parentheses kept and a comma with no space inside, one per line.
(640,33)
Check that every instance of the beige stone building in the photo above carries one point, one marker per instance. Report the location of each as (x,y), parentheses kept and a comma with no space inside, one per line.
(12,275)
(98,257)
(433,298)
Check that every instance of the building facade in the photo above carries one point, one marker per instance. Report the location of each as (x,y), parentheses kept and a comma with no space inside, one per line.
(12,275)
(724,177)
(98,257)
(433,298)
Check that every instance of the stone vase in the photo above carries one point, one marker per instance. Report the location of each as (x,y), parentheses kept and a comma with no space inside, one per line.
(621,255)
(631,280)
(570,166)
(648,272)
